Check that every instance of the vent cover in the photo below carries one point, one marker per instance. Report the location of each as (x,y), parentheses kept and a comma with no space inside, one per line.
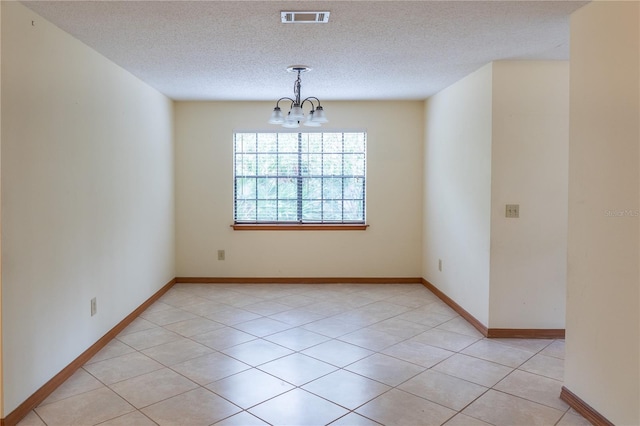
(304,17)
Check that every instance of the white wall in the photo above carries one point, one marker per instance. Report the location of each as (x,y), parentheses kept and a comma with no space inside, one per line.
(603,322)
(390,247)
(87,198)
(457,200)
(529,167)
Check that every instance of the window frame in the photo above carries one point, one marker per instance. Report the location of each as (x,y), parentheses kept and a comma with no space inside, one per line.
(300,223)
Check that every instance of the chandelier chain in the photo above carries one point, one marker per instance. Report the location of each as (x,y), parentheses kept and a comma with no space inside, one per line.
(297,86)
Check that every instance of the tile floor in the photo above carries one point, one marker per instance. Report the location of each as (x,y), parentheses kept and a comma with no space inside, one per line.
(340,354)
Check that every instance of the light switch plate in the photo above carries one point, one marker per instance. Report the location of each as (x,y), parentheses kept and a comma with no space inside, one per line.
(512,210)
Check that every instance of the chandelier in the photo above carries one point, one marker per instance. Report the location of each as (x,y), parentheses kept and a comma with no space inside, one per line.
(292,120)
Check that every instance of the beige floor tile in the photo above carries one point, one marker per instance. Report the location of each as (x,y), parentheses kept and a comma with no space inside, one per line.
(570,419)
(194,326)
(137,324)
(500,409)
(238,299)
(410,300)
(296,300)
(445,339)
(249,294)
(354,419)
(223,338)
(371,339)
(463,420)
(249,388)
(177,351)
(382,309)
(241,419)
(326,308)
(399,327)
(132,419)
(153,387)
(256,352)
(354,300)
(194,408)
(297,317)
(461,326)
(262,327)
(331,327)
(209,368)
(347,389)
(111,350)
(442,308)
(85,409)
(401,408)
(297,339)
(385,369)
(337,353)
(531,345)
(475,370)
(167,316)
(78,383)
(425,317)
(498,352)
(555,349)
(147,338)
(544,365)
(378,292)
(124,367)
(205,308)
(267,307)
(201,290)
(31,419)
(180,298)
(157,307)
(298,407)
(231,316)
(533,387)
(443,389)
(297,369)
(418,353)
(358,318)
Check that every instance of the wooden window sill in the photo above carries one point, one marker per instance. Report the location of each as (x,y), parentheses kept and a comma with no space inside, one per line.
(297,227)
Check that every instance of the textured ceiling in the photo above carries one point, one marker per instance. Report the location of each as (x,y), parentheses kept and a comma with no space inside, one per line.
(239,50)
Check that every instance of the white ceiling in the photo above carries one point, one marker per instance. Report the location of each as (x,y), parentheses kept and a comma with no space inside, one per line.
(239,50)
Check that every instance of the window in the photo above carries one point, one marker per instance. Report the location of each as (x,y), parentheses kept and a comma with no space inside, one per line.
(299,178)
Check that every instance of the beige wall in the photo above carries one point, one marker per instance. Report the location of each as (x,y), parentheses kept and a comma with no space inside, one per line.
(1,351)
(87,198)
(499,136)
(603,332)
(457,197)
(390,247)
(529,167)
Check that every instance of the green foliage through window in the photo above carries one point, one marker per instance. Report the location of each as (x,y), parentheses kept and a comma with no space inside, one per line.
(299,177)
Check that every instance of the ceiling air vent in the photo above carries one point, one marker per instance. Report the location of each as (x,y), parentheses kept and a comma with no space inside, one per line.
(300,17)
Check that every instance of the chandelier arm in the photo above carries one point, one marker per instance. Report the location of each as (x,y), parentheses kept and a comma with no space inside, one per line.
(283,98)
(308,99)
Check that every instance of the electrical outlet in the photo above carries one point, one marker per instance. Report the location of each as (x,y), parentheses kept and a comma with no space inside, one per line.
(94,306)
(220,254)
(440,265)
(512,210)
